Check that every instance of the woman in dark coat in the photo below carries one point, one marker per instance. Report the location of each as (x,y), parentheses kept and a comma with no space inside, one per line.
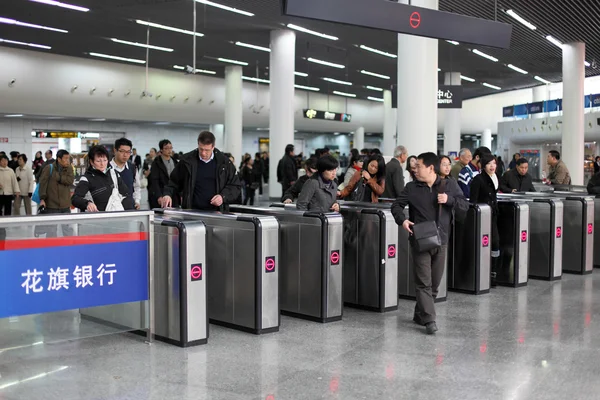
(483,190)
(319,193)
(250,179)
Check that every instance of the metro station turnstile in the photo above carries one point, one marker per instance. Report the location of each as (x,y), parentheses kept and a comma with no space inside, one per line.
(370,257)
(513,226)
(180,281)
(470,251)
(242,269)
(310,262)
(545,236)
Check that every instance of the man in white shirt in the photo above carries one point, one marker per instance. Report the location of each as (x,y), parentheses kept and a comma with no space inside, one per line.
(121,164)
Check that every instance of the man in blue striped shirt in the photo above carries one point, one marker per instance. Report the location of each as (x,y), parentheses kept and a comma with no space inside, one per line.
(466,175)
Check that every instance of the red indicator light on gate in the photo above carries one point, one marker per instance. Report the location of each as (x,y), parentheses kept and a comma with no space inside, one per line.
(558,232)
(523,236)
(590,229)
(196,272)
(485,240)
(415,20)
(335,257)
(270,264)
(391,251)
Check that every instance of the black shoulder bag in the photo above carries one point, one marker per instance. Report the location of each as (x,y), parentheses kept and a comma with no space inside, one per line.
(426,235)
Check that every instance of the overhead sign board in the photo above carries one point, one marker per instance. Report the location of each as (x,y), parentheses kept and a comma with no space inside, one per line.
(402,18)
(326,115)
(57,135)
(449,96)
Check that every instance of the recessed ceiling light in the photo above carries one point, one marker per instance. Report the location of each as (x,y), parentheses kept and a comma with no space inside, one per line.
(521,19)
(327,63)
(11,21)
(13,115)
(131,60)
(514,68)
(587,64)
(168,28)
(312,89)
(303,74)
(202,71)
(98,119)
(482,54)
(311,32)
(337,81)
(227,60)
(380,52)
(344,94)
(491,86)
(554,41)
(63,5)
(146,46)
(249,78)
(336,133)
(39,46)
(162,123)
(374,88)
(227,8)
(374,74)
(253,46)
(439,70)
(537,78)
(466,78)
(454,42)
(375,99)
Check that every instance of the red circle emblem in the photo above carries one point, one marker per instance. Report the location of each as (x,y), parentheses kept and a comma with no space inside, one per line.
(335,257)
(559,232)
(270,264)
(391,251)
(485,240)
(196,272)
(415,20)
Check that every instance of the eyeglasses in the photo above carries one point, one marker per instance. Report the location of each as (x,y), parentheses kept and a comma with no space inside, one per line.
(125,152)
(445,164)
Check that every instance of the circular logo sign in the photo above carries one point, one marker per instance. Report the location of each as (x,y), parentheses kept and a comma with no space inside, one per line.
(523,236)
(391,251)
(485,240)
(270,264)
(558,232)
(415,20)
(335,257)
(196,272)
(590,229)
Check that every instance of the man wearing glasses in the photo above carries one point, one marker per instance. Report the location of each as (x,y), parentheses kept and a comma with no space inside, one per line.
(123,166)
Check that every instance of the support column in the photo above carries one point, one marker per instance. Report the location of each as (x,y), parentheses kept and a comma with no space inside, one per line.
(233,112)
(540,93)
(218,130)
(359,138)
(486,139)
(452,118)
(573,137)
(281,89)
(389,125)
(417,89)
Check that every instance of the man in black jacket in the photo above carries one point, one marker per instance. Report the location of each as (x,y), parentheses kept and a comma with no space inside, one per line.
(292,193)
(427,198)
(206,178)
(287,173)
(394,175)
(517,179)
(162,166)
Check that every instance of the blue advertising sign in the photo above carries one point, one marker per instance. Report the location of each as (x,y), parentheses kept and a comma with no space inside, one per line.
(508,111)
(56,274)
(587,101)
(521,109)
(595,100)
(535,108)
(553,105)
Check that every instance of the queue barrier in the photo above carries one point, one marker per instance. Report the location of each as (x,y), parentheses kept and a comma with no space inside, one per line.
(310,262)
(180,281)
(242,268)
(513,227)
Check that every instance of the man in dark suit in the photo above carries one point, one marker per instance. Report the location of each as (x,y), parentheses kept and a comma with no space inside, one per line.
(137,160)
(394,175)
(517,179)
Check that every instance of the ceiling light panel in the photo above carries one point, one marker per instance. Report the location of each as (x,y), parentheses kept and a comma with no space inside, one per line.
(302,74)
(13,115)
(327,63)
(146,46)
(62,5)
(454,42)
(587,64)
(521,20)
(227,60)
(344,94)
(311,88)
(377,89)
(249,78)
(226,8)
(537,78)
(466,78)
(491,86)
(253,46)
(108,56)
(375,99)
(374,74)
(515,68)
(201,71)
(168,28)
(554,41)
(376,51)
(38,46)
(338,81)
(10,21)
(484,55)
(311,32)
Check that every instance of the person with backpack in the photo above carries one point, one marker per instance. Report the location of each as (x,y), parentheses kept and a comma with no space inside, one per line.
(127,170)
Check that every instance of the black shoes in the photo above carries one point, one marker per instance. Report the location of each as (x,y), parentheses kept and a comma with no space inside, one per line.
(493,280)
(431,328)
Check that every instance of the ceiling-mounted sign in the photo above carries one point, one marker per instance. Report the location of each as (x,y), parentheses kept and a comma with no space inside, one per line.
(508,111)
(534,108)
(449,96)
(402,18)
(327,115)
(57,135)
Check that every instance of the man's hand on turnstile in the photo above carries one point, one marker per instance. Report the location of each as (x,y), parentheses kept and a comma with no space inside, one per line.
(217,200)
(335,207)
(407,225)
(165,201)
(287,201)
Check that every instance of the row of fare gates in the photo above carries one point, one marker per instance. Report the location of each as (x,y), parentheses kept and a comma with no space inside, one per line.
(245,268)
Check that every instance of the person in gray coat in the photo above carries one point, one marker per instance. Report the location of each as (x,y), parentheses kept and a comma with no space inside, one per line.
(319,193)
(394,175)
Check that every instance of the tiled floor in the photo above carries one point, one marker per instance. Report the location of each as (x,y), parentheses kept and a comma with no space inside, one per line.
(537,342)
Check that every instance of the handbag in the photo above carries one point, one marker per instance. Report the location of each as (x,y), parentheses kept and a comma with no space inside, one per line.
(359,191)
(116,199)
(426,235)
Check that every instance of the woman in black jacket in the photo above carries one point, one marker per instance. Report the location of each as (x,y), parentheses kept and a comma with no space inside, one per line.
(483,190)
(98,182)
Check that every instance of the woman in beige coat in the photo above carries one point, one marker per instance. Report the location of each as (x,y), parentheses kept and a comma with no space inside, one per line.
(25,178)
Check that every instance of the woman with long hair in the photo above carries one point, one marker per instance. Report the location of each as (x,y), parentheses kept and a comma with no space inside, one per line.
(411,170)
(369,184)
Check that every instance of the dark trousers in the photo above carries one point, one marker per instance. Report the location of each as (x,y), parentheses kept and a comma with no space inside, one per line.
(429,269)
(6,205)
(249,196)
